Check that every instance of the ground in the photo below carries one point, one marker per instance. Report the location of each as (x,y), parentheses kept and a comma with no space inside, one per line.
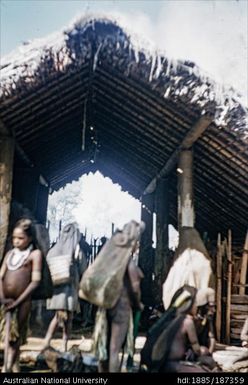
(80,338)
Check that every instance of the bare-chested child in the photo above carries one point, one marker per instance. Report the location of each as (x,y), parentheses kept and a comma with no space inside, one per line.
(20,275)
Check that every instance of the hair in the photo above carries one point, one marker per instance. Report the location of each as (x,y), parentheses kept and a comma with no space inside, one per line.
(190,238)
(26,225)
(161,335)
(187,301)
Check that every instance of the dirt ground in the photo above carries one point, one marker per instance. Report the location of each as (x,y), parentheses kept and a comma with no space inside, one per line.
(80,338)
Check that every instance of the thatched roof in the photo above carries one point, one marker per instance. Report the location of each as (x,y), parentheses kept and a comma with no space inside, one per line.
(140,104)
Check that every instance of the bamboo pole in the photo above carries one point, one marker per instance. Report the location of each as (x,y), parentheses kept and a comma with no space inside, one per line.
(243,271)
(218,287)
(229,286)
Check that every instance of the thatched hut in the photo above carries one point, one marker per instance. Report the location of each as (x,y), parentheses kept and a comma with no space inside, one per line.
(91,98)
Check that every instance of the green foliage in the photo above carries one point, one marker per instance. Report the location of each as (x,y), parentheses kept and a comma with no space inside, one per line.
(61,207)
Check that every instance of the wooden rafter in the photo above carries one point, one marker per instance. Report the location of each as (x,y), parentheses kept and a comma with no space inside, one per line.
(197,130)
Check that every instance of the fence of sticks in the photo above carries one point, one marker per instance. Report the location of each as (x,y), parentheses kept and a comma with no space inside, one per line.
(231,288)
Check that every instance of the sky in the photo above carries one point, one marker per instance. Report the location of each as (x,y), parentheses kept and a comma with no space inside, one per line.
(211,33)
(102,204)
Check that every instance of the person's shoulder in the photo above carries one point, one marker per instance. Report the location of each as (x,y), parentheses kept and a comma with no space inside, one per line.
(6,256)
(132,266)
(36,253)
(188,320)
(8,253)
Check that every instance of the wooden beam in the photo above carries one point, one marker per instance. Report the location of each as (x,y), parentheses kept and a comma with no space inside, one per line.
(23,155)
(191,137)
(7,145)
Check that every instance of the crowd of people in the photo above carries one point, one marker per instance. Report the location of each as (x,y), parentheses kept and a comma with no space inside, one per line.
(181,339)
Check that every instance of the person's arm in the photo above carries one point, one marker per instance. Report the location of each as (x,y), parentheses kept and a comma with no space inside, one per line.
(82,262)
(2,274)
(212,343)
(244,333)
(135,275)
(36,260)
(191,334)
(212,340)
(3,270)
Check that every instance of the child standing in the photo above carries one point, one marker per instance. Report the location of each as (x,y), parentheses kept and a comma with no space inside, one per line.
(20,275)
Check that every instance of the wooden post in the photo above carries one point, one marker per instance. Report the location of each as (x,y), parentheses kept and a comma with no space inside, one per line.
(191,137)
(244,262)
(146,252)
(24,177)
(48,225)
(7,146)
(218,288)
(229,286)
(112,228)
(186,215)
(162,246)
(41,204)
(94,248)
(60,227)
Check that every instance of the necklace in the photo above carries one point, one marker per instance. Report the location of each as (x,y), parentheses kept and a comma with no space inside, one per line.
(17,258)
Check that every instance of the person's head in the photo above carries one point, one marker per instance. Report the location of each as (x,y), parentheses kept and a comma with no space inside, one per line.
(103,240)
(23,234)
(184,300)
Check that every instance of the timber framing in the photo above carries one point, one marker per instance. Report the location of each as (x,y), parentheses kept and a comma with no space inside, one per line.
(191,137)
(143,108)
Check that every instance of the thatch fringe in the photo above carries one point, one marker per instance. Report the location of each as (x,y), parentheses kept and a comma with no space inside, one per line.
(102,43)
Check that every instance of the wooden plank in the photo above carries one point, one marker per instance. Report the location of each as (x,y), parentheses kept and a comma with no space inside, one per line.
(235,336)
(239,299)
(236,273)
(218,287)
(239,308)
(239,316)
(229,286)
(243,271)
(237,323)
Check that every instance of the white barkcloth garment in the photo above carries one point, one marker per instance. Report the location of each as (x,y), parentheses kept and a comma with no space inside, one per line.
(191,268)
